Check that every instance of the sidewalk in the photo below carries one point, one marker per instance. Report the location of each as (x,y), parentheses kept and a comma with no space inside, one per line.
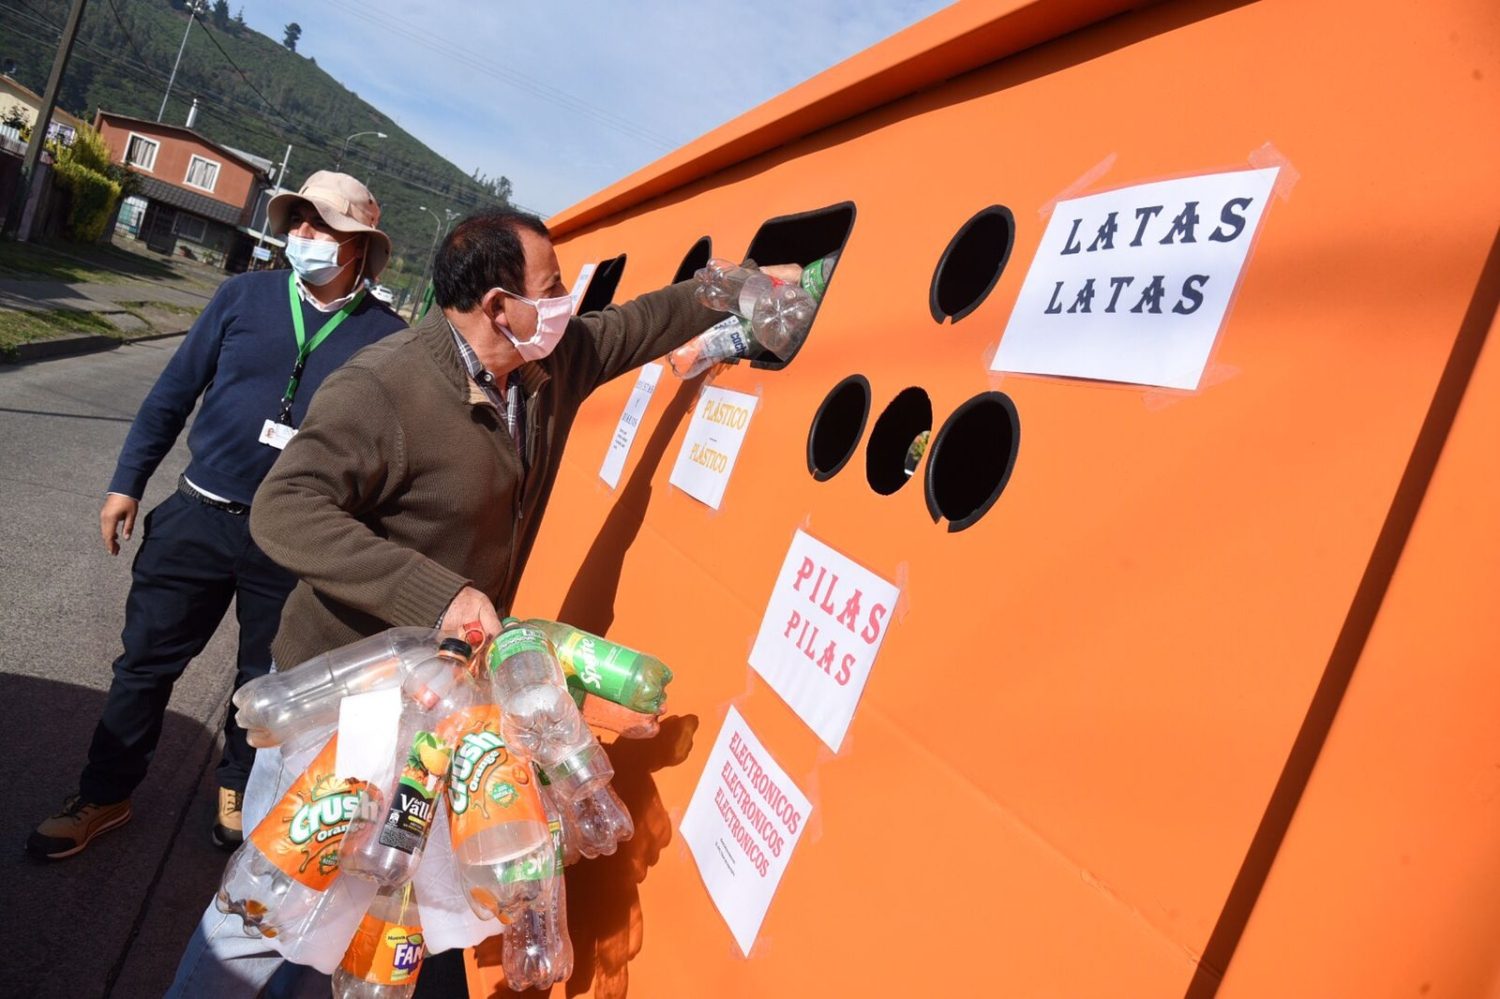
(59,299)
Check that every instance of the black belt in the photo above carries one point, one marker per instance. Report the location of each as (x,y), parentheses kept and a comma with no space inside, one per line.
(186,488)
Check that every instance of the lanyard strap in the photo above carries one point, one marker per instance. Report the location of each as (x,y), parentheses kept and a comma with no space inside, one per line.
(305,346)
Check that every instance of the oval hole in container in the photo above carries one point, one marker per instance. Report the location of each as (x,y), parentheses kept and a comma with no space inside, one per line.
(971,265)
(837,427)
(897,431)
(972,458)
(696,258)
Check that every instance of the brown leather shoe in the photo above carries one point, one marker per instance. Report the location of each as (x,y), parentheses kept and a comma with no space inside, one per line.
(75,827)
(229,825)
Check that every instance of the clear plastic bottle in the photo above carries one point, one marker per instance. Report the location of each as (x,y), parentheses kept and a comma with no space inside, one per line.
(782,314)
(385,955)
(729,337)
(537,951)
(599,821)
(539,716)
(631,679)
(274,708)
(284,880)
(389,829)
(719,283)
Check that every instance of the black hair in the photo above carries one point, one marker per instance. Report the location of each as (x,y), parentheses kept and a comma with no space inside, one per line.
(481,252)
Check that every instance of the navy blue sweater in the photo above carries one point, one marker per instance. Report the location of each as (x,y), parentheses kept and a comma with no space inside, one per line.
(238,357)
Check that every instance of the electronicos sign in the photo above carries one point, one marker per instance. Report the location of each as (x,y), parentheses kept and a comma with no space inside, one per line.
(1132,285)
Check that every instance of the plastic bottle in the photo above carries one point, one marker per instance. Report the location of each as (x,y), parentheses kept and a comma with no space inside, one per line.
(782,314)
(495,811)
(385,955)
(389,829)
(274,708)
(540,718)
(537,951)
(284,880)
(729,337)
(593,825)
(719,283)
(614,672)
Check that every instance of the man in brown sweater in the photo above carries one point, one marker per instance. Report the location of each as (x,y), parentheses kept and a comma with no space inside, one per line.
(413,490)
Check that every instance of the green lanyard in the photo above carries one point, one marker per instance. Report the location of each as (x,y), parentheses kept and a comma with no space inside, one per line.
(306,346)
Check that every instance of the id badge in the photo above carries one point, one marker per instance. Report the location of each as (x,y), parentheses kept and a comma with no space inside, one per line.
(276,435)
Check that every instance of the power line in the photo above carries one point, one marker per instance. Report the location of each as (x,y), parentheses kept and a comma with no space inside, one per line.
(475,198)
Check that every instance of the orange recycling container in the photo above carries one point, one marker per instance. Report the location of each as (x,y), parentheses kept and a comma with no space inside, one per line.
(1188,690)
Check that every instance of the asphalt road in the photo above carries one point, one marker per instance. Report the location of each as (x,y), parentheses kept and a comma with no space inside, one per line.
(112,920)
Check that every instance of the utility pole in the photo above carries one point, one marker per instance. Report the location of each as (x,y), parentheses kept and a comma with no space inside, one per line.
(192,16)
(44,118)
(279,181)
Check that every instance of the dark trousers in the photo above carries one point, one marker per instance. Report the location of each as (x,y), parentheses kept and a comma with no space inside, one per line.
(193,559)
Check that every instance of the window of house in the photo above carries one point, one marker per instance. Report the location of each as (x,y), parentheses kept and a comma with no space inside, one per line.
(202,173)
(141,152)
(190,227)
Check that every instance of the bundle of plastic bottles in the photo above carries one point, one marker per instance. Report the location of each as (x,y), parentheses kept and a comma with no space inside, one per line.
(764,312)
(454,823)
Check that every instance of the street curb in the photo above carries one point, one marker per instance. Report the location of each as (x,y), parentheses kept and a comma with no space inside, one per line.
(72,346)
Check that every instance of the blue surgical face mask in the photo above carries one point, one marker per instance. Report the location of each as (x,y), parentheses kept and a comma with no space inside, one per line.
(316,261)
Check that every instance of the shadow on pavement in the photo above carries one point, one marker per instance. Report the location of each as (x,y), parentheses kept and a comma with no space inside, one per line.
(113,919)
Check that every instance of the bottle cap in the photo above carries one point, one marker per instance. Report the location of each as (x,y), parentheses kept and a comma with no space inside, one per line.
(457,646)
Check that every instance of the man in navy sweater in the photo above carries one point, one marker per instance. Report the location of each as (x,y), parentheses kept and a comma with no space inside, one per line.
(254,357)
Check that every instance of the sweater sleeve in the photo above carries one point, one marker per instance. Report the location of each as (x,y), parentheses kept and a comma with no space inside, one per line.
(626,336)
(170,401)
(346,461)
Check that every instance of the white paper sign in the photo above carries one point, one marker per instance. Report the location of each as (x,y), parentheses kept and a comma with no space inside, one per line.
(743,822)
(366,748)
(585,273)
(1132,285)
(822,630)
(630,421)
(713,443)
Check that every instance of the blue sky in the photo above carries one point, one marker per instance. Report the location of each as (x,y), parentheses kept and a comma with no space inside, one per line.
(565,98)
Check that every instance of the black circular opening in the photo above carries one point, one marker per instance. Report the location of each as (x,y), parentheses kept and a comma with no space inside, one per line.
(971,265)
(696,258)
(897,432)
(837,427)
(972,458)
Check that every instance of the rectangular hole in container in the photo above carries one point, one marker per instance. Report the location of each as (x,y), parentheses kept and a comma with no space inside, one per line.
(800,239)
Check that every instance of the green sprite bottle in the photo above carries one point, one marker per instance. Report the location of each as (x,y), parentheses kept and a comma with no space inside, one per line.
(629,678)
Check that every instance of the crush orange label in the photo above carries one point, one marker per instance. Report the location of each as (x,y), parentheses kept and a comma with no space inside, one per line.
(384,953)
(487,786)
(303,833)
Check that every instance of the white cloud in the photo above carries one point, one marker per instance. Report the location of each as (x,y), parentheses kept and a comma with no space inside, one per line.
(565,99)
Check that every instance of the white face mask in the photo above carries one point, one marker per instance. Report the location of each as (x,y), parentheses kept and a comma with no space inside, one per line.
(316,261)
(552,315)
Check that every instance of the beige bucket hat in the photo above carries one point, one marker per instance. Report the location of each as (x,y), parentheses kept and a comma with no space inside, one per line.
(345,204)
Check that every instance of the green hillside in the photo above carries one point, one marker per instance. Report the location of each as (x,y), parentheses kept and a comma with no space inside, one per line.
(254,94)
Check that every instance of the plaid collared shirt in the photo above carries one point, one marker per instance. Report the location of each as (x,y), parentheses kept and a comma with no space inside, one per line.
(510,405)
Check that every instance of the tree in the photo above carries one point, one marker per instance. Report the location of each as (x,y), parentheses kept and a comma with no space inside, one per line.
(293,32)
(221,14)
(239,21)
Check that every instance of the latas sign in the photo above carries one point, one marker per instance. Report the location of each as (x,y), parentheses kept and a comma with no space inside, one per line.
(1132,285)
(823,627)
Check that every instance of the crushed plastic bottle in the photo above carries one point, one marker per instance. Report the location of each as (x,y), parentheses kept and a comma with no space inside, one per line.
(385,955)
(390,826)
(720,282)
(730,337)
(275,708)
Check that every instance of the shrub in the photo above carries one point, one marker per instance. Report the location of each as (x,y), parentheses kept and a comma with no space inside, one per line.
(84,171)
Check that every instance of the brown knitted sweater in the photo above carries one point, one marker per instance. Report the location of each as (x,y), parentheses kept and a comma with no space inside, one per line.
(403,484)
